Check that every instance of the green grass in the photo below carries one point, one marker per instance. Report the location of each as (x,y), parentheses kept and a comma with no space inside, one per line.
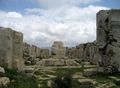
(60,72)
(21,80)
(57,72)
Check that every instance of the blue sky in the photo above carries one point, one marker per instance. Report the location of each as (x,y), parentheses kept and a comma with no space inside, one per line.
(45,21)
(20,5)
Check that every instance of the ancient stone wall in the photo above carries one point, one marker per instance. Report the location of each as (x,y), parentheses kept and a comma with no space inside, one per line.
(11,49)
(84,52)
(44,53)
(33,54)
(58,49)
(108,39)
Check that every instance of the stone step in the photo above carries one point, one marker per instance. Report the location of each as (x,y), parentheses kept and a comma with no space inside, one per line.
(89,72)
(87,83)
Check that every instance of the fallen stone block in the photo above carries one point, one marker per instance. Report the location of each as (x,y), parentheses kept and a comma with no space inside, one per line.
(89,72)
(86,83)
(4,81)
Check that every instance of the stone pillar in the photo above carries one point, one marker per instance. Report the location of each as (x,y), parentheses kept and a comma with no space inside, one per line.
(18,61)
(6,47)
(11,45)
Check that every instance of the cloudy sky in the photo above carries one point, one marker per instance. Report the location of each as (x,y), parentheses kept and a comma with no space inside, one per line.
(45,21)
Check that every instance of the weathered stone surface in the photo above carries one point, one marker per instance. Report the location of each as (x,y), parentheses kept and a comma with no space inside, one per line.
(4,81)
(108,40)
(58,62)
(30,53)
(89,72)
(44,53)
(86,83)
(33,54)
(11,49)
(78,75)
(49,83)
(58,49)
(29,71)
(2,70)
(84,52)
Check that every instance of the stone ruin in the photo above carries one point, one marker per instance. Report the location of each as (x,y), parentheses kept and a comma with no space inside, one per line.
(14,53)
(58,49)
(11,49)
(105,51)
(84,52)
(33,54)
(108,40)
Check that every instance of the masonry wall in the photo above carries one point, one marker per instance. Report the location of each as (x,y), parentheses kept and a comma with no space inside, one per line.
(33,54)
(11,49)
(108,39)
(84,52)
(58,49)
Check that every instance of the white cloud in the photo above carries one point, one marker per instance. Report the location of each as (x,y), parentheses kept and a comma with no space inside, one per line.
(14,15)
(72,25)
(59,3)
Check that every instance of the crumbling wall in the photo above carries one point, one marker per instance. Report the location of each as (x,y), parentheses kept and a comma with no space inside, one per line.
(84,52)
(11,49)
(44,53)
(33,54)
(108,40)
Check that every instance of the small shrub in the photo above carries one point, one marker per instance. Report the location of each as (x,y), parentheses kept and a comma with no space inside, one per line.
(62,82)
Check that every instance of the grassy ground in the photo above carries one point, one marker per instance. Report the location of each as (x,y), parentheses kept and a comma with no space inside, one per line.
(20,80)
(23,81)
(100,79)
(52,74)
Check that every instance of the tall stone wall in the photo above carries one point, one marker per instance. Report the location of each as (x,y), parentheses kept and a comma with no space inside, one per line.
(71,53)
(108,40)
(11,49)
(84,52)
(44,53)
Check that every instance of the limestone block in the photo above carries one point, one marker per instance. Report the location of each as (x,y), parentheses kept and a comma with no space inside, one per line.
(4,81)
(86,83)
(108,37)
(89,72)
